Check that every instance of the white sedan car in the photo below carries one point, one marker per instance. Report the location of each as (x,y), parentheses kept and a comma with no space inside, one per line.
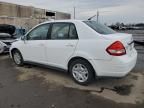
(85,49)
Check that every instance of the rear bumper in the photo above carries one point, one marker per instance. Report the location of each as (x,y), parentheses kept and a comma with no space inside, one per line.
(116,67)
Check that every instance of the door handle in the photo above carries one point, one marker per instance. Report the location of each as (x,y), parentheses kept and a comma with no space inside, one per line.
(41,44)
(69,45)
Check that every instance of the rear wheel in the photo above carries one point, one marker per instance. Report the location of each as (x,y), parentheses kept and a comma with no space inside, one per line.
(17,58)
(81,71)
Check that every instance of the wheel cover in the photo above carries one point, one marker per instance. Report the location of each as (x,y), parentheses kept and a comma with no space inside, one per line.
(80,72)
(17,58)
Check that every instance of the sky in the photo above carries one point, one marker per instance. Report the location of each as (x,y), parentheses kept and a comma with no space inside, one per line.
(110,11)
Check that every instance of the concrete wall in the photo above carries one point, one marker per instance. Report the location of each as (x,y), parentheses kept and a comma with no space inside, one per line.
(26,16)
(60,15)
(12,10)
(26,23)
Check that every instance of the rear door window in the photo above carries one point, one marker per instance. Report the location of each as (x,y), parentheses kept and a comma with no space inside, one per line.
(62,31)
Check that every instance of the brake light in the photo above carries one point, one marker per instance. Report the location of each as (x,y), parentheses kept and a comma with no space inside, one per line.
(116,49)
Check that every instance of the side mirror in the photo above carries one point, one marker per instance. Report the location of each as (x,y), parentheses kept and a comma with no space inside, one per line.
(23,38)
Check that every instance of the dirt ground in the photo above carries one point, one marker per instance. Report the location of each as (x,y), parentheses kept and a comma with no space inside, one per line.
(39,87)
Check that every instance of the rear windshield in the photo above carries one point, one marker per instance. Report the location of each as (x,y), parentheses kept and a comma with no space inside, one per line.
(100,28)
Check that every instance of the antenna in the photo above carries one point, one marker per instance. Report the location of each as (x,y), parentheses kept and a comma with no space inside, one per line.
(91,17)
(98,14)
(94,16)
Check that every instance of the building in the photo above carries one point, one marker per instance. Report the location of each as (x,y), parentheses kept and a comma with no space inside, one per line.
(27,16)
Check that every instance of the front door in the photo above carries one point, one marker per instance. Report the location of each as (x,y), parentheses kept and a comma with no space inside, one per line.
(33,48)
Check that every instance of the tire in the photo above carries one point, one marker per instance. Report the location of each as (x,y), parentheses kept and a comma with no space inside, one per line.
(82,72)
(17,58)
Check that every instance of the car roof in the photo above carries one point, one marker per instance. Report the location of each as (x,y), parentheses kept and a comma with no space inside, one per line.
(73,21)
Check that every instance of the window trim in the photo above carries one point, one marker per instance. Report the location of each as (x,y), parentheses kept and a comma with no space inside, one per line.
(77,37)
(69,23)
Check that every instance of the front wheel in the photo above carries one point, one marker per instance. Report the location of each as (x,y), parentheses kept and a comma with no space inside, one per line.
(17,58)
(81,71)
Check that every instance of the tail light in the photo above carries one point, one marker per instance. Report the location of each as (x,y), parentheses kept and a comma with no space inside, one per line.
(116,49)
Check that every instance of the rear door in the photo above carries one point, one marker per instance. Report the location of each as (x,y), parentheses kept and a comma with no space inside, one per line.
(61,44)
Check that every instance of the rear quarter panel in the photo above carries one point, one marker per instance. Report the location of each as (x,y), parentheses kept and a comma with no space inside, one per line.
(93,49)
